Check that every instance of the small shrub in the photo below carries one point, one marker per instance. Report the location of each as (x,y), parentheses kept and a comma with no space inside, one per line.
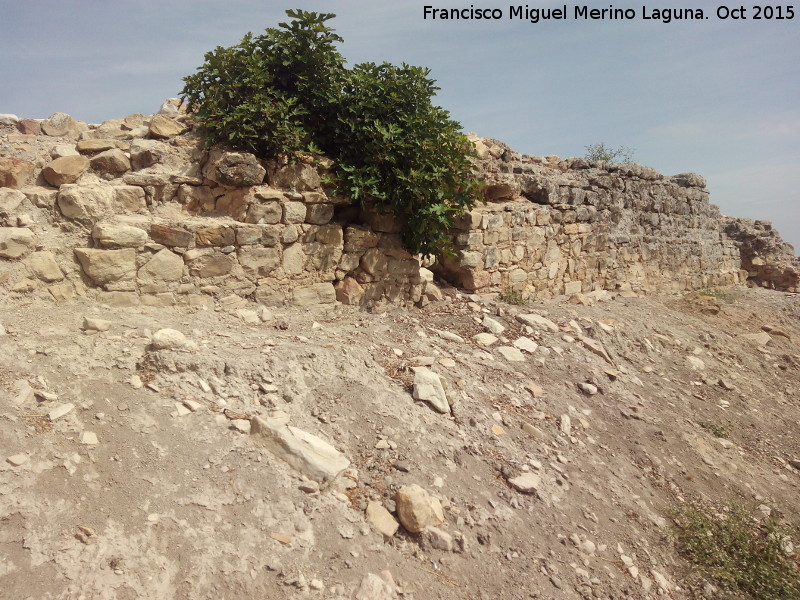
(735,551)
(610,156)
(288,93)
(511,296)
(720,430)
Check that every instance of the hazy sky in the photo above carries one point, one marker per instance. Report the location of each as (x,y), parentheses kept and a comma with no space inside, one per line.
(716,97)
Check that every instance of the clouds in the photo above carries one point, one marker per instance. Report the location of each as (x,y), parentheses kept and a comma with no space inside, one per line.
(715,97)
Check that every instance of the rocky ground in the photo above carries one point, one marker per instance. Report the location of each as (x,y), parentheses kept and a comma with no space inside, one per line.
(138,463)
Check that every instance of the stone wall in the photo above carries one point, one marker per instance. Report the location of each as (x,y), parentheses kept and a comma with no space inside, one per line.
(136,210)
(560,227)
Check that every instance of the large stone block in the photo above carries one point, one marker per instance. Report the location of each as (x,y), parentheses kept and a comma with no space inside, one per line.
(234,168)
(16,242)
(110,235)
(319,293)
(299,177)
(107,266)
(259,262)
(111,162)
(164,266)
(218,235)
(86,204)
(15,173)
(210,265)
(269,212)
(310,455)
(167,235)
(43,266)
(66,169)
(319,214)
(163,127)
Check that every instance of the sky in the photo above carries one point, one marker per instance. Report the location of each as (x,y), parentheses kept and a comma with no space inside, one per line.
(719,97)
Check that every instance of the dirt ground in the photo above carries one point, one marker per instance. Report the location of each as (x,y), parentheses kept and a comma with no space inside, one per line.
(151,487)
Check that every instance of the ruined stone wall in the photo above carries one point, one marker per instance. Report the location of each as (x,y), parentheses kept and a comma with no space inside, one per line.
(137,211)
(561,227)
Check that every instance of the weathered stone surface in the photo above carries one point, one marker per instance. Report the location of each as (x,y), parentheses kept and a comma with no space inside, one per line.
(164,266)
(294,212)
(15,173)
(538,322)
(349,291)
(298,177)
(162,126)
(107,266)
(373,587)
(234,168)
(43,265)
(417,509)
(112,162)
(111,235)
(381,518)
(527,483)
(310,455)
(16,241)
(259,262)
(168,338)
(171,236)
(86,204)
(99,145)
(29,127)
(319,293)
(60,125)
(218,235)
(95,324)
(10,201)
(429,388)
(761,339)
(66,169)
(511,354)
(319,214)
(209,265)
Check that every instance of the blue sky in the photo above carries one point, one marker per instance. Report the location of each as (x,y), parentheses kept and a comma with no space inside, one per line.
(716,97)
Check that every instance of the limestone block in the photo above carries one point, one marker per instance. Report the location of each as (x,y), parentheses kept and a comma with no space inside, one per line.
(99,145)
(210,265)
(146,153)
(573,287)
(218,235)
(62,125)
(294,212)
(85,203)
(310,455)
(43,265)
(417,509)
(41,197)
(129,198)
(66,169)
(234,168)
(15,173)
(164,127)
(358,239)
(319,293)
(375,262)
(235,203)
(164,266)
(269,212)
(110,235)
(16,242)
(293,259)
(381,518)
(349,291)
(29,127)
(319,214)
(112,162)
(299,177)
(171,236)
(107,266)
(10,201)
(196,198)
(259,262)
(428,387)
